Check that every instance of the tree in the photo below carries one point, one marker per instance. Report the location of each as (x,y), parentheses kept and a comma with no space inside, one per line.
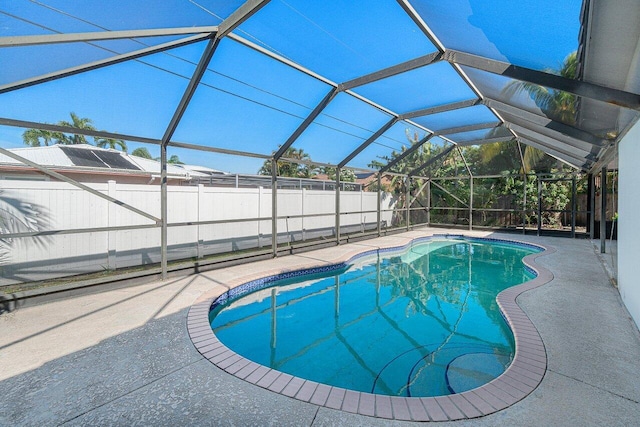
(142,152)
(111,143)
(175,160)
(18,216)
(291,169)
(38,137)
(78,123)
(557,104)
(346,175)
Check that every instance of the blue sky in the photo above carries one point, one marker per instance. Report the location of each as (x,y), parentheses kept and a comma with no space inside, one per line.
(248,102)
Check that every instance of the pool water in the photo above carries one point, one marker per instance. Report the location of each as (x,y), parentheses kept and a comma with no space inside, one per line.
(423,321)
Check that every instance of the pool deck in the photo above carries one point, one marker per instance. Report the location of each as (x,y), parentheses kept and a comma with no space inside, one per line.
(124,357)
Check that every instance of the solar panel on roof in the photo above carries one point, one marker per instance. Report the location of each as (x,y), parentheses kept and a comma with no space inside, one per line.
(97,158)
(115,160)
(82,157)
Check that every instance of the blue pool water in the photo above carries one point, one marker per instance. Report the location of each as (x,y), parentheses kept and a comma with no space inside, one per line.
(422,321)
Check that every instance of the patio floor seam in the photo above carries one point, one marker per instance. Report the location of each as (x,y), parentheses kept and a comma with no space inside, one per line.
(315,415)
(592,385)
(133,390)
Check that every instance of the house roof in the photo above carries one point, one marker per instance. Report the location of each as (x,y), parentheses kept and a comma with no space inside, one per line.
(88,158)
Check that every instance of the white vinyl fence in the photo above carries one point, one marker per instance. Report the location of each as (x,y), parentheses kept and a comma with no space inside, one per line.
(45,205)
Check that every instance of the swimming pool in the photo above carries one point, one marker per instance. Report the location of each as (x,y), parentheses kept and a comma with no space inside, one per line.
(421,320)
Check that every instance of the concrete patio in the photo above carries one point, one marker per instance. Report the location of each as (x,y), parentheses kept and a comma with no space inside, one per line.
(124,357)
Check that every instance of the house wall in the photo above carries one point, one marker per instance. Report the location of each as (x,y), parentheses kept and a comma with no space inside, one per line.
(628,229)
(61,206)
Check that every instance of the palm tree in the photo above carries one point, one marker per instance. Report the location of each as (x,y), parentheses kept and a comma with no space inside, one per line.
(78,123)
(499,156)
(142,152)
(111,143)
(17,216)
(38,137)
(557,104)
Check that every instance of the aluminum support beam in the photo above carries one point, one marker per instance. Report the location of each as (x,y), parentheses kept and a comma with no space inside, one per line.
(306,123)
(559,146)
(415,197)
(439,109)
(546,122)
(554,144)
(75,183)
(191,89)
(468,128)
(458,199)
(15,41)
(164,240)
(539,206)
(365,144)
(338,170)
(280,59)
(217,150)
(429,202)
(579,163)
(464,160)
(484,141)
(173,125)
(274,208)
(77,131)
(379,204)
(615,97)
(417,19)
(431,161)
(406,153)
(574,197)
(552,134)
(524,188)
(323,79)
(592,205)
(392,71)
(470,203)
(603,210)
(101,63)
(407,185)
(240,15)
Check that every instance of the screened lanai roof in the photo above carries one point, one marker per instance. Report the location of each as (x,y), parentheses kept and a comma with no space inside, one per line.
(345,81)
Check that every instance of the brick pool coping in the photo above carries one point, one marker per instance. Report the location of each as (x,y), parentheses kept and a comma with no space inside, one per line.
(523,375)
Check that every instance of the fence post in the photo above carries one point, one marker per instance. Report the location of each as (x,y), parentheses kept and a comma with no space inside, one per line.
(304,196)
(363,217)
(260,196)
(112,221)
